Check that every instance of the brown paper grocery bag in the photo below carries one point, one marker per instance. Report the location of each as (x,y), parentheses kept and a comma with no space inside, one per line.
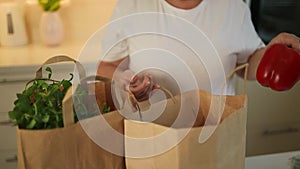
(68,147)
(71,147)
(165,143)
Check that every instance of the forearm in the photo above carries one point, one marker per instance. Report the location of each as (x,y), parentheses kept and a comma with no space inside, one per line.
(126,78)
(107,69)
(253,62)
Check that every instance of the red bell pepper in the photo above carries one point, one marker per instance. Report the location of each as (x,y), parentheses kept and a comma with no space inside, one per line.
(279,68)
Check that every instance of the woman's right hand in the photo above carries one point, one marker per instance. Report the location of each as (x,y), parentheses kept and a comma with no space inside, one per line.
(141,87)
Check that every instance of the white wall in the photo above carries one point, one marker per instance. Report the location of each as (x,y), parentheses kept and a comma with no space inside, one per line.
(81,18)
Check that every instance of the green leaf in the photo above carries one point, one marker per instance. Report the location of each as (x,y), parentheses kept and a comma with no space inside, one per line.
(35,109)
(31,124)
(27,116)
(48,69)
(50,5)
(21,96)
(39,106)
(54,6)
(43,4)
(72,76)
(105,108)
(12,115)
(46,118)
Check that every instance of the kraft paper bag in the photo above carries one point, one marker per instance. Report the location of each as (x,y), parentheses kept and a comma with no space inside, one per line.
(68,147)
(212,134)
(72,146)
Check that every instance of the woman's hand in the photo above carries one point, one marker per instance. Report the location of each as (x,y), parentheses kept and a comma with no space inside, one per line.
(126,79)
(141,87)
(279,68)
(254,60)
(288,39)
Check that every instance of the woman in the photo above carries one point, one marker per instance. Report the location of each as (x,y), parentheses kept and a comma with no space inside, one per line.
(226,23)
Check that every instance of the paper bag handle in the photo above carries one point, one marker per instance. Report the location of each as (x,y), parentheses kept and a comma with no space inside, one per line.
(68,111)
(67,108)
(59,59)
(210,130)
(134,102)
(240,67)
(95,78)
(245,66)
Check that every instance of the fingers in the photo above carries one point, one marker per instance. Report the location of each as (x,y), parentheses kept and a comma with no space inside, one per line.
(134,80)
(141,88)
(156,86)
(287,39)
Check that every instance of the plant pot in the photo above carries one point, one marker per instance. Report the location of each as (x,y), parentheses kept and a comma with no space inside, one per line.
(51,29)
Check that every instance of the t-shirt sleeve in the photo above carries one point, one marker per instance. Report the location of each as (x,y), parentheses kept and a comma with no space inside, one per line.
(113,48)
(114,44)
(247,38)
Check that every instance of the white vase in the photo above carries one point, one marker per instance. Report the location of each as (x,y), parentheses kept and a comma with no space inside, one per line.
(51,29)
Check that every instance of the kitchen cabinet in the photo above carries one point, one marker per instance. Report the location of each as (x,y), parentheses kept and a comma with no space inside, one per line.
(8,159)
(273,123)
(8,145)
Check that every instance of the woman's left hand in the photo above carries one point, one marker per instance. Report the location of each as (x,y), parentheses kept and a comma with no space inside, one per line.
(279,67)
(288,39)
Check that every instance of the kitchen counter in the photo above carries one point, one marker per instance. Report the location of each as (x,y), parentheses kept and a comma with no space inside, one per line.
(20,63)
(35,54)
(271,161)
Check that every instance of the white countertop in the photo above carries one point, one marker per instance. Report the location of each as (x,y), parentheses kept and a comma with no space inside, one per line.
(20,63)
(271,161)
(35,54)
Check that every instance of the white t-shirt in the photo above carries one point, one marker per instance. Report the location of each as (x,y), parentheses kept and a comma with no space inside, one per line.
(225,23)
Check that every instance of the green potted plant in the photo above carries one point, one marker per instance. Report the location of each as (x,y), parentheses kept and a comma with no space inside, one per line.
(50,5)
(39,106)
(51,25)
